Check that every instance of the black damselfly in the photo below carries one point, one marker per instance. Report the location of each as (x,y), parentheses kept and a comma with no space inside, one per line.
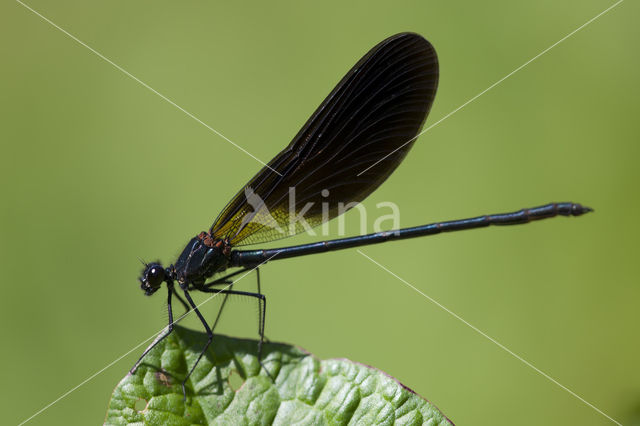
(350,145)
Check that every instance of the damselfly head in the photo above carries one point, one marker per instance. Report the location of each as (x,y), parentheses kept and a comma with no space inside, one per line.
(152,278)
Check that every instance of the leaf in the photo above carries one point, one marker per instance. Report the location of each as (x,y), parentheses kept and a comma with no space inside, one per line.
(229,387)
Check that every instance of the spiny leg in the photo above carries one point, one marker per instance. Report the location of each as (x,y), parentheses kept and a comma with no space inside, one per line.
(221,281)
(168,331)
(262,312)
(261,299)
(262,302)
(206,346)
(261,309)
(224,302)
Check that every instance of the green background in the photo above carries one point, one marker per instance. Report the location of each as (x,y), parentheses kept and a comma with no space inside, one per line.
(97,170)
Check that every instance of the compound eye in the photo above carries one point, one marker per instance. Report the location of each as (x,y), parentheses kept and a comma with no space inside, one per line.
(155,276)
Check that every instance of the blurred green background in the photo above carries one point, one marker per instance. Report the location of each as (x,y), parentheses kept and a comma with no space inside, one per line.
(97,171)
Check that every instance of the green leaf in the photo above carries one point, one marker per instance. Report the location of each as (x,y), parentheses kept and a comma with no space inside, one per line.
(229,387)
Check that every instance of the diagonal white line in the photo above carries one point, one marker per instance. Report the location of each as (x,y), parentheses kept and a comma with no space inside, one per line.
(494,85)
(97,373)
(494,341)
(128,74)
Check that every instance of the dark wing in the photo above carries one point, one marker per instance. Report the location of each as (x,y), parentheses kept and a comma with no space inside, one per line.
(379,106)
